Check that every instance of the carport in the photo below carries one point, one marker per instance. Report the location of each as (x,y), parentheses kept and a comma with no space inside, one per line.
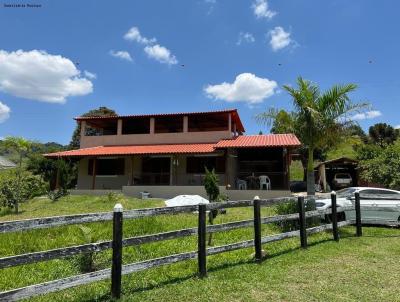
(326,171)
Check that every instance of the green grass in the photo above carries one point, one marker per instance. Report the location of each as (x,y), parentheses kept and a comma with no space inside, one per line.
(41,207)
(345,149)
(355,269)
(296,170)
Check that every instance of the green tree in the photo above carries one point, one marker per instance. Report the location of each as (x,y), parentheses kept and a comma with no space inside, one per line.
(381,165)
(356,130)
(284,122)
(22,147)
(319,119)
(212,190)
(382,134)
(76,135)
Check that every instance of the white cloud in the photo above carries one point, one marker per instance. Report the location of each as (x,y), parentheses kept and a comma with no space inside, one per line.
(397,127)
(366,115)
(40,76)
(133,34)
(279,38)
(261,9)
(247,87)
(245,37)
(124,55)
(161,54)
(4,112)
(90,75)
(153,51)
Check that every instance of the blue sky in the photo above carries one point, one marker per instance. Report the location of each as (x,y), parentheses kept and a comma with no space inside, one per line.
(174,56)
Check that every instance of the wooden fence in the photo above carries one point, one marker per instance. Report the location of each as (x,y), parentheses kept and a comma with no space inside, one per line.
(118,242)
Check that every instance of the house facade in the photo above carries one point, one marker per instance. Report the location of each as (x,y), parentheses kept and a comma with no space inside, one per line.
(166,155)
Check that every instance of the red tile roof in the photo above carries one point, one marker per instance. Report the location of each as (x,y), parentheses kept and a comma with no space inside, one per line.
(269,140)
(235,116)
(142,149)
(242,141)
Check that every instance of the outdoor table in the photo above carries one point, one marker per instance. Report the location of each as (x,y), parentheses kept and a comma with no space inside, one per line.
(253,182)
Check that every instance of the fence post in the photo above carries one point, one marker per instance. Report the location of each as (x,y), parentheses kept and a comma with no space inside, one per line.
(358,214)
(257,229)
(334,217)
(302,220)
(116,269)
(201,241)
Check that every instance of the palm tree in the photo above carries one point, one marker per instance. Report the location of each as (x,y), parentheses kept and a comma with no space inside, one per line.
(319,119)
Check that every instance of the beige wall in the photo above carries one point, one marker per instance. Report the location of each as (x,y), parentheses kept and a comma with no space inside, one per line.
(155,138)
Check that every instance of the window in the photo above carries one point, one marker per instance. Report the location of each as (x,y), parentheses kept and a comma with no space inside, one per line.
(168,124)
(197,164)
(107,166)
(378,191)
(139,125)
(343,176)
(347,192)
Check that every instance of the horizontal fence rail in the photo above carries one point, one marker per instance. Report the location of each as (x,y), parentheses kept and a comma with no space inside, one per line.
(118,242)
(104,245)
(104,274)
(47,222)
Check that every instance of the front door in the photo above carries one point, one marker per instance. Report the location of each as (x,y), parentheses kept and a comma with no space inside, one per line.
(156,171)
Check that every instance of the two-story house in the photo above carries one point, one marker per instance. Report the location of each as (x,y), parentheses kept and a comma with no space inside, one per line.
(166,155)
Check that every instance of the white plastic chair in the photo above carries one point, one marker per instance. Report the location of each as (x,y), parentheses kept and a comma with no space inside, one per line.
(264,181)
(241,184)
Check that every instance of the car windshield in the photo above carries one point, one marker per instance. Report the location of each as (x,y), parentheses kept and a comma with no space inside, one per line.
(346,192)
(341,175)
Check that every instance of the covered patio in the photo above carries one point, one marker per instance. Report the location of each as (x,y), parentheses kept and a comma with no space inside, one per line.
(251,164)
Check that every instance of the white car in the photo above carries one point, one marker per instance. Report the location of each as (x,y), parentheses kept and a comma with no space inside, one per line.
(345,197)
(342,180)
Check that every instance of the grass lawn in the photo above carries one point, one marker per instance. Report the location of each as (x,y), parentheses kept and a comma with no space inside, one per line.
(296,171)
(355,269)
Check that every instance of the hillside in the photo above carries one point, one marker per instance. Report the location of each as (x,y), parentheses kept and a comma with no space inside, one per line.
(37,148)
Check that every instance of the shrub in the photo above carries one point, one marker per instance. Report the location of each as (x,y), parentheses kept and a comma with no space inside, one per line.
(212,189)
(111,197)
(34,186)
(291,207)
(11,194)
(86,262)
(381,165)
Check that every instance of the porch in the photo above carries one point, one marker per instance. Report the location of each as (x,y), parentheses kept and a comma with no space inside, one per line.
(234,166)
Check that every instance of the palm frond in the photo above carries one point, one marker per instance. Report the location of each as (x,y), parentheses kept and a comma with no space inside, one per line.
(267,117)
